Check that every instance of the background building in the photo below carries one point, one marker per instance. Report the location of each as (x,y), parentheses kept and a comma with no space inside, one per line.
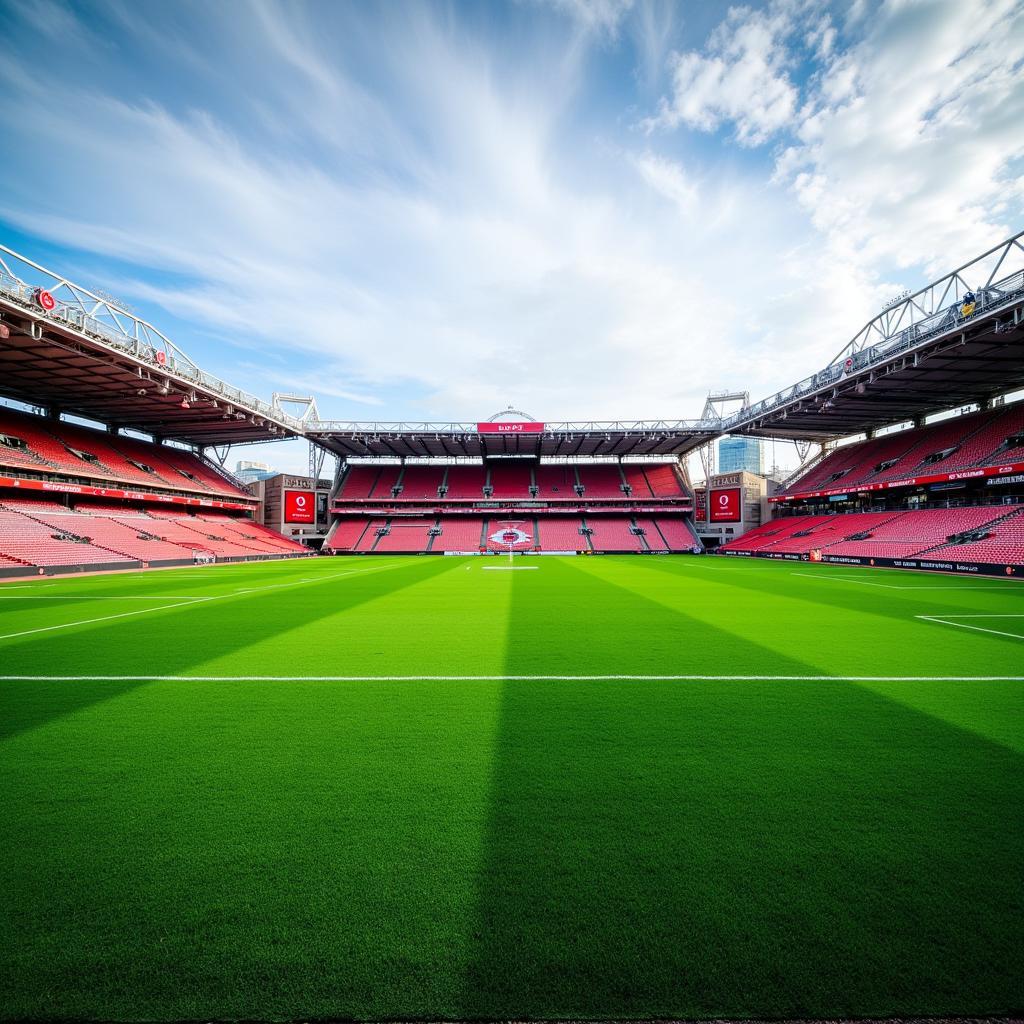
(740,454)
(247,472)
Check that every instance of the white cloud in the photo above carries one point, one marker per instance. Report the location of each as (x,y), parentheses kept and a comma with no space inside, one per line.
(742,77)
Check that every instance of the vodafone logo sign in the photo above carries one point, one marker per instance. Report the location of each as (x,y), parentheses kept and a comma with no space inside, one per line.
(726,505)
(299,507)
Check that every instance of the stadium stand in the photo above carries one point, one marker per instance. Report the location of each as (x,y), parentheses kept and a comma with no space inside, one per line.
(601,481)
(613,533)
(421,482)
(359,481)
(406,535)
(459,533)
(465,482)
(560,533)
(510,481)
(895,534)
(980,439)
(42,447)
(556,482)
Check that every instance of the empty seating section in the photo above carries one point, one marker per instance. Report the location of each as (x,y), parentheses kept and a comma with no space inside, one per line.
(915,532)
(104,531)
(676,534)
(465,482)
(890,534)
(556,482)
(652,535)
(664,481)
(458,533)
(637,480)
(560,533)
(612,533)
(1005,545)
(510,482)
(346,534)
(406,535)
(34,543)
(421,482)
(387,480)
(71,450)
(358,482)
(371,535)
(977,439)
(601,481)
(528,492)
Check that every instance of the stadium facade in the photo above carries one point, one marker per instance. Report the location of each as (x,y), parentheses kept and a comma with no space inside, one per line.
(917,492)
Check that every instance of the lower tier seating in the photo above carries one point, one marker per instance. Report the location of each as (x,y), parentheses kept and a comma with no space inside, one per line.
(45,533)
(613,533)
(895,534)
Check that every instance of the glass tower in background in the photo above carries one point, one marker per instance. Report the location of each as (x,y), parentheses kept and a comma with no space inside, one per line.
(736,453)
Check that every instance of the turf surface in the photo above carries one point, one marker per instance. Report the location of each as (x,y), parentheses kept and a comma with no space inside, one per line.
(216,845)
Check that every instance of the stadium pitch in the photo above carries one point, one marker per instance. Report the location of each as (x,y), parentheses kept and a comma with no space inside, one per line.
(609,787)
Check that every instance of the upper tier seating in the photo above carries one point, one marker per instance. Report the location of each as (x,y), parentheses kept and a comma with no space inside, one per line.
(510,481)
(387,480)
(664,481)
(612,533)
(71,450)
(466,482)
(556,482)
(359,481)
(601,481)
(421,482)
(637,480)
(951,445)
(459,533)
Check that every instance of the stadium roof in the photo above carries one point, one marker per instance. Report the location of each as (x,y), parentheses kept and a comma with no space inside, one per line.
(484,440)
(68,348)
(924,353)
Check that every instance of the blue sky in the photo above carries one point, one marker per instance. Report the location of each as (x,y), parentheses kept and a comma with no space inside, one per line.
(585,209)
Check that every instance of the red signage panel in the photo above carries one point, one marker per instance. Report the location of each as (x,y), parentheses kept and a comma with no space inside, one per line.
(299,507)
(726,505)
(510,428)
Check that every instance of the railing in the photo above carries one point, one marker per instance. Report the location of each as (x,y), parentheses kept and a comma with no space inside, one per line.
(551,430)
(115,328)
(850,361)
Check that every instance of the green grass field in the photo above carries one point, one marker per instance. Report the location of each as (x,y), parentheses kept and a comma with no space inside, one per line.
(457,830)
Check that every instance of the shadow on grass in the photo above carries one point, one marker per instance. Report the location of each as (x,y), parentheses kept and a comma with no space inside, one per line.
(172,642)
(659,849)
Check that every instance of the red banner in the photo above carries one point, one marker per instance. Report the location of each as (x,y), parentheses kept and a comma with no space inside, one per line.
(113,492)
(510,428)
(726,505)
(933,478)
(299,507)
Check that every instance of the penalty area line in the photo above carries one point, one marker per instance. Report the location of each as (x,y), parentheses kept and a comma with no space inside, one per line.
(504,678)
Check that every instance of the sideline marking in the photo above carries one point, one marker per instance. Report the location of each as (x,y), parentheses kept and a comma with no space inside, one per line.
(510,568)
(890,586)
(186,602)
(498,679)
(104,597)
(945,620)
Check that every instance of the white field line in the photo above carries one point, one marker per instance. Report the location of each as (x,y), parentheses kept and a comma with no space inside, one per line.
(189,602)
(946,620)
(889,586)
(510,568)
(104,618)
(525,678)
(89,597)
